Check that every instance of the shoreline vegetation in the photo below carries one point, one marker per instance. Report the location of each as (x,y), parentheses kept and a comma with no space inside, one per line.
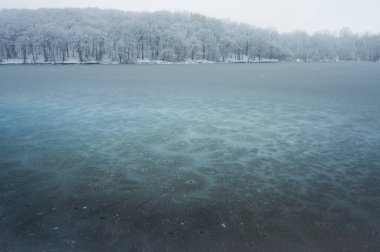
(158,62)
(95,36)
(137,62)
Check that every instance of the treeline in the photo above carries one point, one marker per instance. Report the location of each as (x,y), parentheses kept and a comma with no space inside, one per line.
(94,35)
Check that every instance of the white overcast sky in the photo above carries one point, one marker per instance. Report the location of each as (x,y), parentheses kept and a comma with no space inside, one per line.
(285,15)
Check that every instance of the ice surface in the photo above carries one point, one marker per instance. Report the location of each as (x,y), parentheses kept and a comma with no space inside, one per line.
(196,157)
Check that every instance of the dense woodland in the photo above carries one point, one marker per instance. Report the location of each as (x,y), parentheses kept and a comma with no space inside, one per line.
(94,35)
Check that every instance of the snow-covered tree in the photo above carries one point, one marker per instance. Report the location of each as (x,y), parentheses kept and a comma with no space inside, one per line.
(94,35)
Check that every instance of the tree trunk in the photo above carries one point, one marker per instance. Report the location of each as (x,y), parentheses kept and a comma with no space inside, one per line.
(204,51)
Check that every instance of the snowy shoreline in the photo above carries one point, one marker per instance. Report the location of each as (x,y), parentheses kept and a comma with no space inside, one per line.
(158,62)
(138,62)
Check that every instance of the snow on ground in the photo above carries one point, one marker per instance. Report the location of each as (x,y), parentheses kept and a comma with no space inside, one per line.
(139,61)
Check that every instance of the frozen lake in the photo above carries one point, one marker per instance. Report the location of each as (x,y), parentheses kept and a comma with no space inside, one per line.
(190,157)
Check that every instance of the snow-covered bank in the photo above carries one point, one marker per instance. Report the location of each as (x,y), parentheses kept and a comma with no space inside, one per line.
(138,62)
(160,62)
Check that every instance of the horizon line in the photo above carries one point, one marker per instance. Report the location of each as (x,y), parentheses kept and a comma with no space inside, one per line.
(323,30)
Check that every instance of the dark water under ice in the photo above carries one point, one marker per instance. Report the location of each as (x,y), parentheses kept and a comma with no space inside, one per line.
(190,157)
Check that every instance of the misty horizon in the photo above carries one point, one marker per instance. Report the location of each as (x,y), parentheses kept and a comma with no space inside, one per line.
(295,29)
(310,16)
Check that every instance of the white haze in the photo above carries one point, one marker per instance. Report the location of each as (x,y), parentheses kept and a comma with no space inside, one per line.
(311,15)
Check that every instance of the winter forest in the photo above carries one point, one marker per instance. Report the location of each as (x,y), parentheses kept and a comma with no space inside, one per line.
(100,36)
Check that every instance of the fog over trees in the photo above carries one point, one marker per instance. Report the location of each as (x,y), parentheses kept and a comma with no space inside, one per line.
(94,35)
